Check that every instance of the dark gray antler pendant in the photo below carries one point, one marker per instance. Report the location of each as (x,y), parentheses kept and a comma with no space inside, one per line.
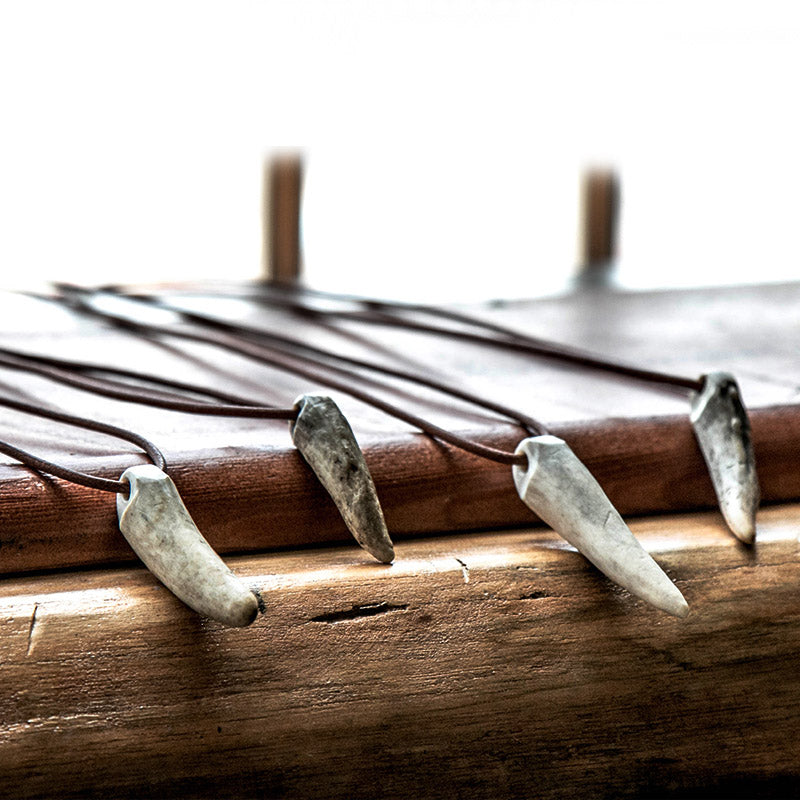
(723,431)
(324,438)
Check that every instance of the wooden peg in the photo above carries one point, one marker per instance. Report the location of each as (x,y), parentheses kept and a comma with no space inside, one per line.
(601,196)
(283,185)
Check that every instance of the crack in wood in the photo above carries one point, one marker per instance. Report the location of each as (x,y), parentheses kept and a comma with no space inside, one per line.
(30,629)
(360,611)
(537,595)
(262,606)
(464,570)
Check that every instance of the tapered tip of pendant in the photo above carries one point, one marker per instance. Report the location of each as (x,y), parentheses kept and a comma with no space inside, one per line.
(244,613)
(651,584)
(742,523)
(369,529)
(676,605)
(383,553)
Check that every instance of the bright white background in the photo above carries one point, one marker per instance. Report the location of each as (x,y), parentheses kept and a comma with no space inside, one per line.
(445,140)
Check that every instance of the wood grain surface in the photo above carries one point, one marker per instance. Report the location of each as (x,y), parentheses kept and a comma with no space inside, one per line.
(249,490)
(497,665)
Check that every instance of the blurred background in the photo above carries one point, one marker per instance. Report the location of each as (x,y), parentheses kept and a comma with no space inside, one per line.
(444,142)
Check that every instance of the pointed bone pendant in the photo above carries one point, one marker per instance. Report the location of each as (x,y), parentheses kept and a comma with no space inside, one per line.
(325,440)
(158,527)
(562,492)
(722,429)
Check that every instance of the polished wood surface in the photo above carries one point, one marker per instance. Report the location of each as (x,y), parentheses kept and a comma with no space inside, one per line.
(249,489)
(497,665)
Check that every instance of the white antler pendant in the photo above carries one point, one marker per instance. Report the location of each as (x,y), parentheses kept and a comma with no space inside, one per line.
(158,527)
(562,492)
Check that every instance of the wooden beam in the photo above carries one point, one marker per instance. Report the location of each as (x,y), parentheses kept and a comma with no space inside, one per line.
(492,665)
(283,186)
(249,489)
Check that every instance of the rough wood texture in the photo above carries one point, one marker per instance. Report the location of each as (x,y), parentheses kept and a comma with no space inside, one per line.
(248,489)
(496,666)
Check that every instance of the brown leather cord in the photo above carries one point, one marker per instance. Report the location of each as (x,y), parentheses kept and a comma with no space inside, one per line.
(281,343)
(384,312)
(121,391)
(92,481)
(536,347)
(302,366)
(288,346)
(141,377)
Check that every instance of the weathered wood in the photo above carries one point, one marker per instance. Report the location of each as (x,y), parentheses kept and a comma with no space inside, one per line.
(248,489)
(497,665)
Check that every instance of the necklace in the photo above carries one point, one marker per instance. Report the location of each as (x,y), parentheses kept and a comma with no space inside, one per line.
(155,522)
(319,430)
(717,414)
(548,476)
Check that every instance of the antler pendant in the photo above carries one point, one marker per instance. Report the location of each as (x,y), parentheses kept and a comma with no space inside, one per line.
(158,527)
